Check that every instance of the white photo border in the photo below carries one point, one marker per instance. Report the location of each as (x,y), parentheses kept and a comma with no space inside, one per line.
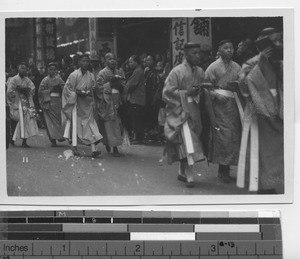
(289,112)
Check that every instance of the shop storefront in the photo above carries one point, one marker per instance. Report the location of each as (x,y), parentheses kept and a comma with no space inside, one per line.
(47,39)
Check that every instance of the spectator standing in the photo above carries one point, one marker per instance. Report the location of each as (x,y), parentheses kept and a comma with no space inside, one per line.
(136,98)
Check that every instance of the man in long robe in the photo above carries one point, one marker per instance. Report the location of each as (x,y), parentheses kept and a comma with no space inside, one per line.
(136,98)
(223,147)
(20,92)
(50,91)
(78,108)
(108,99)
(183,121)
(261,152)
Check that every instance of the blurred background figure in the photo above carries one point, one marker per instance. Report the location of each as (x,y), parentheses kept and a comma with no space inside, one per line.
(246,49)
(95,65)
(67,68)
(136,98)
(206,57)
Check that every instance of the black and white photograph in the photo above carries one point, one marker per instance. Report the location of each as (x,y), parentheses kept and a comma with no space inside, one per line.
(176,108)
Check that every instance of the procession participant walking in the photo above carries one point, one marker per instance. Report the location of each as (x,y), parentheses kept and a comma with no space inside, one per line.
(50,91)
(183,121)
(136,98)
(20,92)
(109,91)
(221,105)
(78,108)
(262,140)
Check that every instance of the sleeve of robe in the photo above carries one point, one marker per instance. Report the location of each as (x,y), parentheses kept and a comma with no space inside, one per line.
(44,94)
(173,96)
(103,86)
(13,99)
(69,96)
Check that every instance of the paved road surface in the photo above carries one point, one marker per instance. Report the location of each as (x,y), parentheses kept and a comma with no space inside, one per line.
(44,171)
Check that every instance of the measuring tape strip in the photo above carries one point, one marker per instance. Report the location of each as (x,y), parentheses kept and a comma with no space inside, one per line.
(139,234)
(127,248)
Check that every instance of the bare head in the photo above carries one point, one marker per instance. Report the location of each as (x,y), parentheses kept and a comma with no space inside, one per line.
(110,60)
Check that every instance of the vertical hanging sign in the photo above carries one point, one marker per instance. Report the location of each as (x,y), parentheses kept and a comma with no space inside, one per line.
(93,35)
(200,30)
(39,30)
(50,39)
(45,41)
(179,38)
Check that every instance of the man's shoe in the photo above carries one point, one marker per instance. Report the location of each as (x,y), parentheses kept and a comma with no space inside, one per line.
(190,183)
(25,145)
(76,152)
(96,153)
(181,178)
(12,142)
(116,152)
(108,149)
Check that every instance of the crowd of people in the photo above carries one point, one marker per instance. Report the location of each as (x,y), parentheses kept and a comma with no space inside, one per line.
(230,113)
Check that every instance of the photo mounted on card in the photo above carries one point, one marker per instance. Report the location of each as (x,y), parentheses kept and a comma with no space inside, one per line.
(147,108)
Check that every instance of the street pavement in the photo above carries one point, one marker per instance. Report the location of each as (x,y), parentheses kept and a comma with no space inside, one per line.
(43,170)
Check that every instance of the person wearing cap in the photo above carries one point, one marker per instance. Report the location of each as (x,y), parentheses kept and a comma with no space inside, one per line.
(109,91)
(20,92)
(183,120)
(95,65)
(49,93)
(221,105)
(78,108)
(261,84)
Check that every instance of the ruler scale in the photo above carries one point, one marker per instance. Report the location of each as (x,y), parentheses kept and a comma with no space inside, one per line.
(140,235)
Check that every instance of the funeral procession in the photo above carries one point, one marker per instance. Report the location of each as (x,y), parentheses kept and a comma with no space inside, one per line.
(144,106)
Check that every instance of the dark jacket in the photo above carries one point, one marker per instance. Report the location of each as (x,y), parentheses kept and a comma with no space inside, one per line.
(136,87)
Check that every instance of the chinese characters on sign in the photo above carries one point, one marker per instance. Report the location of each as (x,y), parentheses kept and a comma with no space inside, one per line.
(50,39)
(93,35)
(45,41)
(200,30)
(197,29)
(179,38)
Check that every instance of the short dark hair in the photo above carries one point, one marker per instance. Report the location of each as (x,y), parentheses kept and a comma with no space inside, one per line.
(136,59)
(51,64)
(23,63)
(222,42)
(191,45)
(68,60)
(84,56)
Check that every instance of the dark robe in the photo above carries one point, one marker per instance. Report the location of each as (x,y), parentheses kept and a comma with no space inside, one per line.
(49,92)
